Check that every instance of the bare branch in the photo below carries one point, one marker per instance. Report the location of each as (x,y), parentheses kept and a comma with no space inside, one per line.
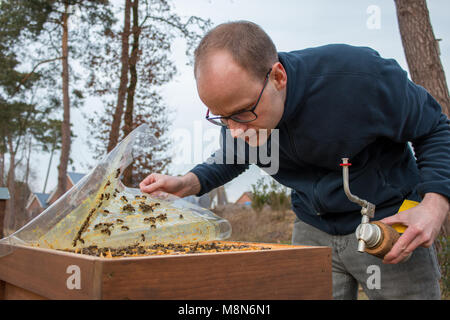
(27,76)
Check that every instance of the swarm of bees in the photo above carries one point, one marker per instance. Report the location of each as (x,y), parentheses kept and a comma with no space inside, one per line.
(168,248)
(83,228)
(110,192)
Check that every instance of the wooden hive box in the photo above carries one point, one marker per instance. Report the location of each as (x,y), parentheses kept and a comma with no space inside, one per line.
(284,272)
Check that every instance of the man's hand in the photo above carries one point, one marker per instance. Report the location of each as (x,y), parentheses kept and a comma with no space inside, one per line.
(423,224)
(180,186)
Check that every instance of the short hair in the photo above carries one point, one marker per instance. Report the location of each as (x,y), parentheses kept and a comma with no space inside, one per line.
(248,44)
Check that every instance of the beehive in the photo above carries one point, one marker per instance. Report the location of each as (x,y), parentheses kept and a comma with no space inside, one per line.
(276,272)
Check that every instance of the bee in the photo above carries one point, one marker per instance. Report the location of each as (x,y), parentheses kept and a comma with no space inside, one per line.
(117,173)
(81,240)
(100,204)
(137,197)
(145,207)
(119,221)
(143,197)
(114,195)
(108,183)
(107,196)
(101,197)
(92,210)
(142,237)
(98,225)
(117,191)
(162,217)
(106,231)
(181,216)
(153,226)
(125,228)
(123,198)
(128,208)
(105,211)
(150,219)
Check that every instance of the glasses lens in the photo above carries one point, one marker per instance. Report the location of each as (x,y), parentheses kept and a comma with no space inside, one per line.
(218,122)
(246,116)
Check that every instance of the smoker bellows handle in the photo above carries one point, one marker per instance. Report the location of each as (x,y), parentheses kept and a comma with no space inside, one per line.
(375,238)
(367,207)
(365,233)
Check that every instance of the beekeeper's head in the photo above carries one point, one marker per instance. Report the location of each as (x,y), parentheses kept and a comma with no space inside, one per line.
(240,79)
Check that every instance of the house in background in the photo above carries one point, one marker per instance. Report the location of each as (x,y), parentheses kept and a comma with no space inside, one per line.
(38,202)
(245,198)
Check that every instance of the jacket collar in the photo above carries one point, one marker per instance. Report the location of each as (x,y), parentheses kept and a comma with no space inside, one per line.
(296,83)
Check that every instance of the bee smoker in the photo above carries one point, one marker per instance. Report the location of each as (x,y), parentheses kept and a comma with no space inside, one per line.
(375,238)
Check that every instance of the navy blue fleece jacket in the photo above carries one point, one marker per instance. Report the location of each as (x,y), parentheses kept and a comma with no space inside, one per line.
(346,101)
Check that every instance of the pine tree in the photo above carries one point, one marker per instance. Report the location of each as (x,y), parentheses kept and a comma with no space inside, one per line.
(128,66)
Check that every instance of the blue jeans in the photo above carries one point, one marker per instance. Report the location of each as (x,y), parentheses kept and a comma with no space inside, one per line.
(417,278)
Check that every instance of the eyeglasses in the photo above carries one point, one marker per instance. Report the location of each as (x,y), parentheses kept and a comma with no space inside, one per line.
(243,116)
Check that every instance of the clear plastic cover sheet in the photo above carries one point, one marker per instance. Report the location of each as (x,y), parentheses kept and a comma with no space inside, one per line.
(99,210)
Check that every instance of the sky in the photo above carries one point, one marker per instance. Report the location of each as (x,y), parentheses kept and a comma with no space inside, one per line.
(292,25)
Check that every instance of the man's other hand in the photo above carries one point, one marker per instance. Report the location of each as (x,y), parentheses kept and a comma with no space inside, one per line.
(423,223)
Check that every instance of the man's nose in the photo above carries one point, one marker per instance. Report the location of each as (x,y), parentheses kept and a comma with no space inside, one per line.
(236,128)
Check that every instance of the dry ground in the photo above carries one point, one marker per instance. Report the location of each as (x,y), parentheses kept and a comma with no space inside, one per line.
(258,226)
(266,225)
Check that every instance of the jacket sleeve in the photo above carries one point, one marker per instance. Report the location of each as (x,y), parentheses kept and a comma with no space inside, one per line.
(222,167)
(409,113)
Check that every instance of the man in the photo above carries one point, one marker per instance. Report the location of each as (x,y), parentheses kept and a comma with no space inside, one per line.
(329,103)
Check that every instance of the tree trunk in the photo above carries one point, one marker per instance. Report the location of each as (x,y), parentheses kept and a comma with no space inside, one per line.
(422,54)
(65,126)
(27,171)
(2,169)
(422,49)
(117,117)
(8,222)
(221,196)
(128,117)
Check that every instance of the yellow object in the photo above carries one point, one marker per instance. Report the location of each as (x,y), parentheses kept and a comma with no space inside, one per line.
(407,204)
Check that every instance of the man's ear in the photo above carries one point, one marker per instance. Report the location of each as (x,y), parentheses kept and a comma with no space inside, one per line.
(279,76)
